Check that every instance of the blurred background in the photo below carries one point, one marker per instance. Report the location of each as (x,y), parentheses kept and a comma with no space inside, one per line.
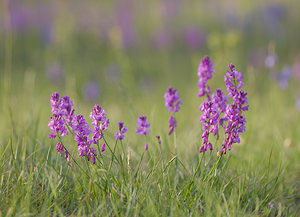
(124,54)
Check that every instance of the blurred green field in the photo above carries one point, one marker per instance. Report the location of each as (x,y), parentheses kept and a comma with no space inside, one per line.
(123,55)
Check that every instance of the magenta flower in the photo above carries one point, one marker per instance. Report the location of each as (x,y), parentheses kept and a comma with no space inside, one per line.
(172,124)
(99,123)
(210,120)
(146,147)
(142,125)
(236,120)
(172,100)
(122,129)
(62,114)
(63,151)
(205,71)
(158,138)
(103,147)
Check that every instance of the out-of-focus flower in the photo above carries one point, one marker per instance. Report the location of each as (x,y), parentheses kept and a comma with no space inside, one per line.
(284,77)
(91,91)
(195,38)
(54,72)
(172,100)
(122,129)
(205,71)
(125,22)
(159,140)
(142,125)
(271,60)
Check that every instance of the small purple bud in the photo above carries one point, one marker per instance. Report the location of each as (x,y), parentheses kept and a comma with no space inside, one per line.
(103,148)
(146,147)
(158,138)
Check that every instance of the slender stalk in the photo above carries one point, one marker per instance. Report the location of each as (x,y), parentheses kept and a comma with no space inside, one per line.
(112,157)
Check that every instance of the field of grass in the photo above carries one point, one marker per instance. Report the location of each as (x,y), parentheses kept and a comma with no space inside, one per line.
(260,176)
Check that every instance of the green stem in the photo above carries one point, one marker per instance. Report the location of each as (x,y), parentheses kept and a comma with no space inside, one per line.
(112,157)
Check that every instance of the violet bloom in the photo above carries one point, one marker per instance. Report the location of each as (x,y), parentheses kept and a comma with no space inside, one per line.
(210,120)
(236,120)
(63,151)
(142,125)
(62,114)
(172,124)
(122,129)
(146,147)
(103,147)
(220,100)
(81,136)
(99,123)
(205,71)
(158,138)
(172,100)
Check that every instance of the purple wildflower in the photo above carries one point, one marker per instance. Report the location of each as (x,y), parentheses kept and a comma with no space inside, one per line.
(172,124)
(236,120)
(81,136)
(210,120)
(63,151)
(99,122)
(158,138)
(142,125)
(205,71)
(103,147)
(122,129)
(146,147)
(62,114)
(219,100)
(172,100)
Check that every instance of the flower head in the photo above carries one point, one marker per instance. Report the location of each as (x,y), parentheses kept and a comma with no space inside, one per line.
(99,122)
(205,71)
(172,100)
(158,138)
(236,120)
(142,125)
(172,124)
(122,129)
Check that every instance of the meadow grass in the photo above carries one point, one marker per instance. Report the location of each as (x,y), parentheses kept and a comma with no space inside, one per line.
(260,176)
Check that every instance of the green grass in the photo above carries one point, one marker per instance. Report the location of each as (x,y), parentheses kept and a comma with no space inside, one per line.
(257,173)
(258,177)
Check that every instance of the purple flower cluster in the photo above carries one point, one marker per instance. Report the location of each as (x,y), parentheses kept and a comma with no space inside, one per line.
(216,110)
(172,102)
(122,129)
(205,71)
(236,120)
(142,125)
(62,115)
(82,131)
(99,123)
(64,119)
